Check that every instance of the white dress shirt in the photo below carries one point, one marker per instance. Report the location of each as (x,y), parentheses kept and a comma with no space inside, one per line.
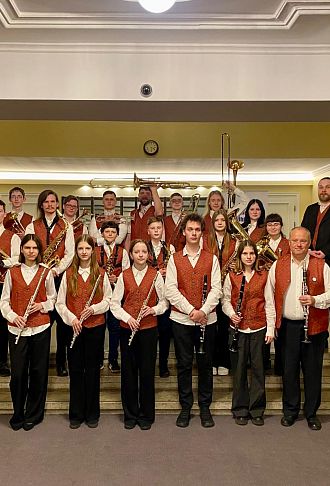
(15,248)
(96,233)
(118,294)
(274,243)
(69,243)
(158,248)
(99,308)
(292,308)
(28,274)
(177,299)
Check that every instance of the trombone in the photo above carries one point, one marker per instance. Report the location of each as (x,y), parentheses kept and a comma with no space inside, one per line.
(234,165)
(138,182)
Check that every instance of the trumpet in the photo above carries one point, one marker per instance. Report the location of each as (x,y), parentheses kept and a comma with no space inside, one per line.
(138,182)
(13,224)
(116,218)
(234,165)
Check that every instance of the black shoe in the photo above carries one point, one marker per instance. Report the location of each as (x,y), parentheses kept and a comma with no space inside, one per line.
(257,420)
(314,423)
(144,425)
(164,373)
(92,424)
(288,420)
(206,418)
(28,426)
(75,424)
(62,371)
(183,418)
(16,426)
(4,370)
(241,420)
(114,367)
(129,424)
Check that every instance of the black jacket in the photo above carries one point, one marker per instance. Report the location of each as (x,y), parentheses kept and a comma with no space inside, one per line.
(323,239)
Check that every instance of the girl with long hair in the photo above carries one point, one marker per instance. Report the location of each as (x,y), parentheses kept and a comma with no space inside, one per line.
(134,303)
(83,299)
(27,298)
(244,303)
(254,220)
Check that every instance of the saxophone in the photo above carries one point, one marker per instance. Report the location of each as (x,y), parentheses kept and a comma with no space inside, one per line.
(49,252)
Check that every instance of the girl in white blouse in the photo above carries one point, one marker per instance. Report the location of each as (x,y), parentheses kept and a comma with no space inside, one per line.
(83,299)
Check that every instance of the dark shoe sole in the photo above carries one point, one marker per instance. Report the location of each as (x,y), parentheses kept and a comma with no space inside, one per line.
(241,420)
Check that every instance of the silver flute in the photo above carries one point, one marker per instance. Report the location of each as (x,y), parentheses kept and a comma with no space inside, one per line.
(145,302)
(88,303)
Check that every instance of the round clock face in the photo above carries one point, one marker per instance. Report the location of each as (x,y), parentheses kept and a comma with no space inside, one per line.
(150,147)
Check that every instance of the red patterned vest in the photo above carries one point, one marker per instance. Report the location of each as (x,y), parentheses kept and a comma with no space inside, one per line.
(208,223)
(283,248)
(257,234)
(178,240)
(253,304)
(76,304)
(116,258)
(139,228)
(134,296)
(40,230)
(5,245)
(21,293)
(190,279)
(318,318)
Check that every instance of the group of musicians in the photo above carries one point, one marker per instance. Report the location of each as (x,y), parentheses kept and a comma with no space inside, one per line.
(223,290)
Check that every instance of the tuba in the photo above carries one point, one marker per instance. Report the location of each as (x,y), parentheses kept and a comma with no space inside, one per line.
(239,233)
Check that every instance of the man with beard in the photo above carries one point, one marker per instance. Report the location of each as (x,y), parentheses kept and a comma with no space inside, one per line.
(317,220)
(146,210)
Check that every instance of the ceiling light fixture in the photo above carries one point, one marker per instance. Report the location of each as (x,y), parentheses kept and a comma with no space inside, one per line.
(157,6)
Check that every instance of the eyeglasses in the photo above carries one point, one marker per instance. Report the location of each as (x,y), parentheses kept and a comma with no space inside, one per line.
(273,224)
(71,206)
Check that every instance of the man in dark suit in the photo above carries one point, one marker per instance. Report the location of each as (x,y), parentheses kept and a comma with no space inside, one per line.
(317,220)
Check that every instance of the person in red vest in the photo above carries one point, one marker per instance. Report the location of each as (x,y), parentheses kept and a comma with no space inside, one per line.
(159,254)
(28,296)
(134,303)
(83,299)
(297,301)
(244,303)
(254,220)
(10,250)
(71,213)
(113,259)
(49,226)
(317,220)
(223,245)
(109,200)
(172,222)
(193,288)
(149,205)
(17,199)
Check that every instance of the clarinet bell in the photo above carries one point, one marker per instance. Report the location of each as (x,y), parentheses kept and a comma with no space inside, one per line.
(234,343)
(306,339)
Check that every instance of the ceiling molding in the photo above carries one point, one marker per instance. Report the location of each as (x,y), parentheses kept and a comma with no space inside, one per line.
(284,18)
(166,48)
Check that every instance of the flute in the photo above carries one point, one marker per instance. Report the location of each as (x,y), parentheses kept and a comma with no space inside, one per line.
(52,262)
(306,339)
(88,303)
(145,302)
(201,349)
(234,343)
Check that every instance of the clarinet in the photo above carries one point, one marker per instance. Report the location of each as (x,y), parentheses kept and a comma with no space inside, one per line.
(234,343)
(145,302)
(201,349)
(88,303)
(306,339)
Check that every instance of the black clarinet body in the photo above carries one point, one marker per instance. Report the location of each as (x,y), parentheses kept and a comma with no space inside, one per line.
(201,349)
(234,343)
(306,339)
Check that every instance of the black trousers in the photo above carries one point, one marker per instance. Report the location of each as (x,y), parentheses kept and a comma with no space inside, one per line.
(3,337)
(84,368)
(63,333)
(29,376)
(249,401)
(186,341)
(309,357)
(138,363)
(164,338)
(221,355)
